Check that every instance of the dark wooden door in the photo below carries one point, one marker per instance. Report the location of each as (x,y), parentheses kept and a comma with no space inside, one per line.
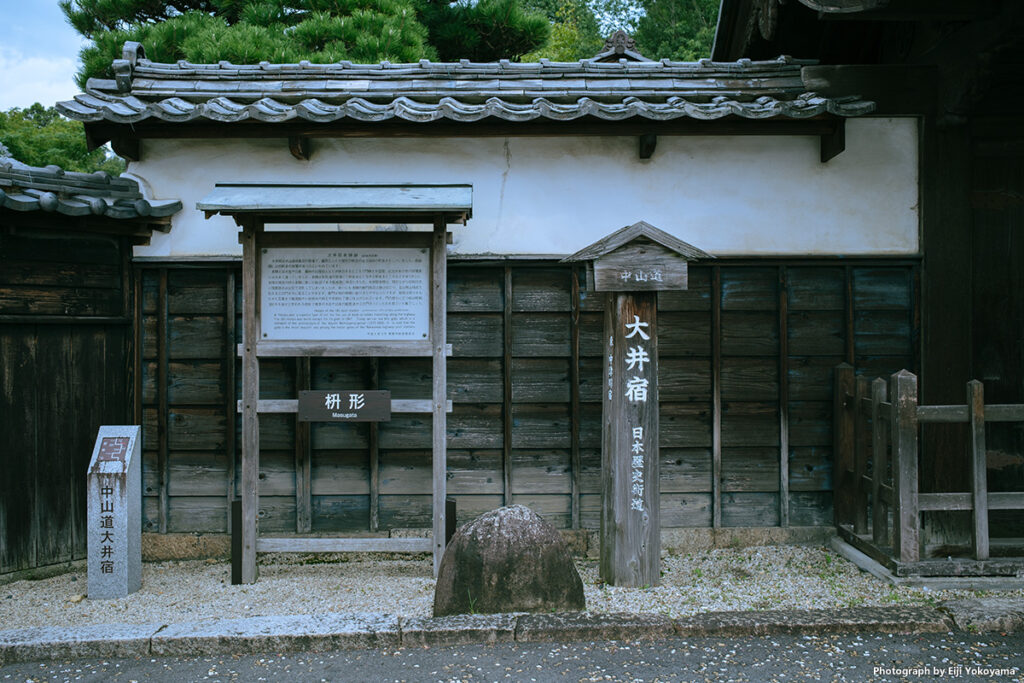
(64,349)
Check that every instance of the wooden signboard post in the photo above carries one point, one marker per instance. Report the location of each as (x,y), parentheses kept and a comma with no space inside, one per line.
(632,265)
(322,292)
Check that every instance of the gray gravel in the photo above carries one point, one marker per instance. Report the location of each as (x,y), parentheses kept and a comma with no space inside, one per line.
(770,577)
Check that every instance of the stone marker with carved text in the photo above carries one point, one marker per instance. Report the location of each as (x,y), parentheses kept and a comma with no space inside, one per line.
(114,517)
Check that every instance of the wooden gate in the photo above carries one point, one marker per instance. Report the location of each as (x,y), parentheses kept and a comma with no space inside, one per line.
(64,350)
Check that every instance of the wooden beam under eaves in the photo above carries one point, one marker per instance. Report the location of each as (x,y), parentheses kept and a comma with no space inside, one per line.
(901,10)
(298,145)
(126,147)
(833,144)
(647,144)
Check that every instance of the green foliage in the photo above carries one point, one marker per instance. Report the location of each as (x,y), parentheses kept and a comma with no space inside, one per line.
(681,30)
(283,31)
(574,31)
(486,31)
(40,136)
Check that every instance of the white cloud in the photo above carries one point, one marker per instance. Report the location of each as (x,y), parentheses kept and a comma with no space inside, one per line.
(26,80)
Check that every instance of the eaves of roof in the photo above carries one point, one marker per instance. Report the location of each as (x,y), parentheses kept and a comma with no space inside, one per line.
(460,92)
(28,188)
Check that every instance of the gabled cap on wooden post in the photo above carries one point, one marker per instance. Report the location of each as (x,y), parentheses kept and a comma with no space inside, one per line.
(639,257)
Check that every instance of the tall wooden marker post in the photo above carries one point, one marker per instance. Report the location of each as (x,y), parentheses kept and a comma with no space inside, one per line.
(316,290)
(631,265)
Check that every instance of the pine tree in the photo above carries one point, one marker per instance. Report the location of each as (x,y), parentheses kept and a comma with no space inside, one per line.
(681,30)
(287,31)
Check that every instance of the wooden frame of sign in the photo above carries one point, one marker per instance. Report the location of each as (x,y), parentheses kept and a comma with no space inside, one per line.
(632,265)
(408,333)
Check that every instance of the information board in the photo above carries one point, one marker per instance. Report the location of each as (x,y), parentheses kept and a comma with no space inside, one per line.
(345,294)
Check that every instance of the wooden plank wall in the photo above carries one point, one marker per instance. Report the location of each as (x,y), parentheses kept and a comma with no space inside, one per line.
(997,179)
(64,369)
(525,381)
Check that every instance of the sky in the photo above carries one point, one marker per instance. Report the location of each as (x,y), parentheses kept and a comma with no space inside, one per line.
(38,54)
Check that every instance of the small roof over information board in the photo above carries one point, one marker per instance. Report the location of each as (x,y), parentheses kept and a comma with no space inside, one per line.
(352,201)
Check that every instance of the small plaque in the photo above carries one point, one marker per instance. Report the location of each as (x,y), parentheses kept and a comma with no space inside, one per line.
(336,405)
(113,449)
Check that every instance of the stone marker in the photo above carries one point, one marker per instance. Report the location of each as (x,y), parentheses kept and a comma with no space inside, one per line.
(507,560)
(114,519)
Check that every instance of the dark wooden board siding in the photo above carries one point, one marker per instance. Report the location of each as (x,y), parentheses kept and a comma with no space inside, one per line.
(541,392)
(58,383)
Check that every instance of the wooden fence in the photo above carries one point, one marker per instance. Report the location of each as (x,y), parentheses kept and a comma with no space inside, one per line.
(878,504)
(746,373)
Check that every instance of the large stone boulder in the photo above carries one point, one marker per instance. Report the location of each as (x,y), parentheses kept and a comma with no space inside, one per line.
(507,560)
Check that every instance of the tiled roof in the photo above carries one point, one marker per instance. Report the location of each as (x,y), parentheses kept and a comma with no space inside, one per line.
(50,189)
(463,91)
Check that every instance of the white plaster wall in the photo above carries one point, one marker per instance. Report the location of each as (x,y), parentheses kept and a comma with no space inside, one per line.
(553,196)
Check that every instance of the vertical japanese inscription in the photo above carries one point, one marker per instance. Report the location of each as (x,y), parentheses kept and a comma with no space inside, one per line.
(630,517)
(345,294)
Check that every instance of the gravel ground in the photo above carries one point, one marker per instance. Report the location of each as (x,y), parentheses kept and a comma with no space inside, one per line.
(769,577)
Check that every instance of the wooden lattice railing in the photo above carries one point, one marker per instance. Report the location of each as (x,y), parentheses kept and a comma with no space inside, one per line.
(878,505)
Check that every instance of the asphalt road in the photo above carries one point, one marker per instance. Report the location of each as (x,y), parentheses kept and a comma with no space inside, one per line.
(868,657)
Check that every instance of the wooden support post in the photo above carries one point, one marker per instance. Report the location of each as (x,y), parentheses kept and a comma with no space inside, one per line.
(979,474)
(716,397)
(630,517)
(844,487)
(879,465)
(860,456)
(574,398)
(250,402)
(162,362)
(906,525)
(783,401)
(303,456)
(230,399)
(374,453)
(438,314)
(506,368)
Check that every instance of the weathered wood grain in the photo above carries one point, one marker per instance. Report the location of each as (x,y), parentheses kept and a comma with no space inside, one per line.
(750,509)
(686,334)
(339,473)
(540,334)
(685,470)
(475,335)
(810,508)
(541,471)
(749,379)
(196,291)
(696,297)
(882,333)
(750,333)
(816,333)
(815,289)
(750,424)
(474,290)
(540,380)
(540,289)
(906,520)
(979,470)
(881,288)
(810,378)
(810,423)
(344,513)
(684,380)
(749,289)
(750,469)
(540,425)
(810,468)
(685,510)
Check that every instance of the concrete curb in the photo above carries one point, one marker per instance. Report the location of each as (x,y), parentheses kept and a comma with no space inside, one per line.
(353,631)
